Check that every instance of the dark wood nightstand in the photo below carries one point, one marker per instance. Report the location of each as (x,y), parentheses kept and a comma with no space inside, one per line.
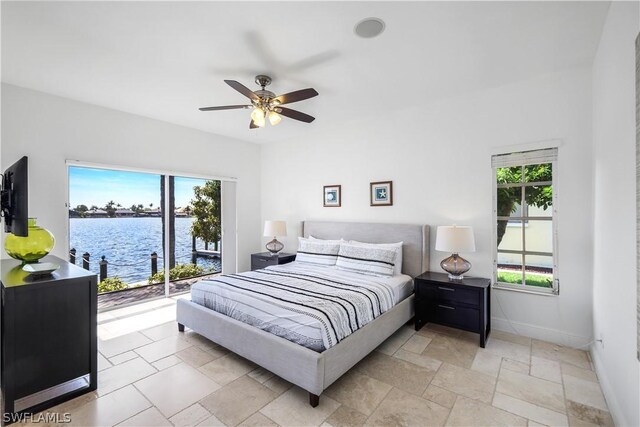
(463,304)
(265,259)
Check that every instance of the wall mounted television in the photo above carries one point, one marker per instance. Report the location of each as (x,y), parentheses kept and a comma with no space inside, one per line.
(14,198)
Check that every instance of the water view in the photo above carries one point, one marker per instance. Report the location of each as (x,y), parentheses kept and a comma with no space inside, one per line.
(117,214)
(127,244)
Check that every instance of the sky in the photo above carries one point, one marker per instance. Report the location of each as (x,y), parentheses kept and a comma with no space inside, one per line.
(89,187)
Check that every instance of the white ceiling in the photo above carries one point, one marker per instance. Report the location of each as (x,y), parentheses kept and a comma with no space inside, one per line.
(165,59)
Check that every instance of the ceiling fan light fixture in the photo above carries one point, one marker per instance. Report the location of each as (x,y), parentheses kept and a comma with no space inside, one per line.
(257,115)
(274,118)
(266,104)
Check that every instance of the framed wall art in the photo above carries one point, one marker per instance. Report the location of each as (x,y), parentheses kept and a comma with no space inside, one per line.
(381,193)
(332,196)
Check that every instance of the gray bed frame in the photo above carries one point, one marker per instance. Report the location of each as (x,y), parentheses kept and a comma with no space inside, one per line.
(310,370)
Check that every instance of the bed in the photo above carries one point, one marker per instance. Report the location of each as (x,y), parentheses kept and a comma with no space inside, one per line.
(315,368)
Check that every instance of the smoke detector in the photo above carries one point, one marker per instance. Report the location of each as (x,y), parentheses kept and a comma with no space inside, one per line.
(369,28)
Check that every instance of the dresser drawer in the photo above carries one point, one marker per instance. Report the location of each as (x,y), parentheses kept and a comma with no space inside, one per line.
(263,260)
(257,264)
(444,292)
(452,315)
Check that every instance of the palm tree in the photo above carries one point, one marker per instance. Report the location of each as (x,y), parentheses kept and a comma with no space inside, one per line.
(110,208)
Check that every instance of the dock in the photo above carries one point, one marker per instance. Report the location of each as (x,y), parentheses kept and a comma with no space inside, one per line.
(208,253)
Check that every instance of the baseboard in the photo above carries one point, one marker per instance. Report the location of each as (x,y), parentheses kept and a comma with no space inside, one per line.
(609,393)
(540,333)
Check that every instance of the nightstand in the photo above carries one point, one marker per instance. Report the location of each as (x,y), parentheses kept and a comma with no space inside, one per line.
(463,304)
(265,259)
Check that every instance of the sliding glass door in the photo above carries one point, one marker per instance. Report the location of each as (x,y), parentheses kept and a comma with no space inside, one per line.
(124,225)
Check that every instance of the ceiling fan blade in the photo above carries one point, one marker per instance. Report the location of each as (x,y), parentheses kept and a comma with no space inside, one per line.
(252,125)
(296,115)
(242,89)
(298,95)
(224,107)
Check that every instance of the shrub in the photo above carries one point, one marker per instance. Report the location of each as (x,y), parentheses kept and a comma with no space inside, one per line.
(111,284)
(180,271)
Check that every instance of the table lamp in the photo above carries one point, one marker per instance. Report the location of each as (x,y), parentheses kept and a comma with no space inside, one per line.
(275,229)
(455,239)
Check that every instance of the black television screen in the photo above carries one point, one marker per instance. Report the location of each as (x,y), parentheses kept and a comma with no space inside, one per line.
(15,198)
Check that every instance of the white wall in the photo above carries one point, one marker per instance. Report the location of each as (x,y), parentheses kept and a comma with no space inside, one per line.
(439,158)
(615,218)
(50,130)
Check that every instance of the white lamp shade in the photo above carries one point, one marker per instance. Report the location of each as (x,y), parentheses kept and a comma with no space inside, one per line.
(455,239)
(275,228)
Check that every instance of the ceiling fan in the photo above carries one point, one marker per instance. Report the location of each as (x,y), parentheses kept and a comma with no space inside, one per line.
(266,105)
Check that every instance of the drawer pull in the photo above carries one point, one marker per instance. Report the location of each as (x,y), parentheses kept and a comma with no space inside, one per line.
(446,306)
(446,289)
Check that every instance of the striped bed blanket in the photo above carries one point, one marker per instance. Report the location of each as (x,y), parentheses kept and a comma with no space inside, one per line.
(313,306)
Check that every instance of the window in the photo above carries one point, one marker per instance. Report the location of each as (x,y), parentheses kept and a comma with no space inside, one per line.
(124,224)
(525,207)
(517,213)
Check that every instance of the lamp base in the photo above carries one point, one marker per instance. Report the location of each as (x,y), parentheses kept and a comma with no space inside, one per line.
(274,247)
(456,266)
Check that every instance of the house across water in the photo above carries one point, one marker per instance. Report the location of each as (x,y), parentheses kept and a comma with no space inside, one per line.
(125,213)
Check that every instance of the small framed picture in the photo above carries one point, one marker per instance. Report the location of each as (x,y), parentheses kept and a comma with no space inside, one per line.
(332,197)
(382,193)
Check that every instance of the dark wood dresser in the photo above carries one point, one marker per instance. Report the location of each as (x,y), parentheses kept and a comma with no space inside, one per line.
(463,304)
(265,259)
(49,336)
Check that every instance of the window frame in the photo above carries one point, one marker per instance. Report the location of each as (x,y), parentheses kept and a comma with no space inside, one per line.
(515,221)
(555,289)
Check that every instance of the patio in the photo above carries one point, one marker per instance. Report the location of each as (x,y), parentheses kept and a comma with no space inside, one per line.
(110,300)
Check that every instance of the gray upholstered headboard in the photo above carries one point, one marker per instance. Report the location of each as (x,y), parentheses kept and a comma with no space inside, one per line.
(415,238)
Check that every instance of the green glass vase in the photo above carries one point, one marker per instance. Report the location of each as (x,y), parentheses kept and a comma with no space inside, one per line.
(38,243)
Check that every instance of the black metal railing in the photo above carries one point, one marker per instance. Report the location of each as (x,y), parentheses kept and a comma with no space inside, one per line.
(103,263)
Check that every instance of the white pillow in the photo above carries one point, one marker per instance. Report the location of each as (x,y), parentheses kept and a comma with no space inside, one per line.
(319,252)
(397,270)
(326,240)
(375,261)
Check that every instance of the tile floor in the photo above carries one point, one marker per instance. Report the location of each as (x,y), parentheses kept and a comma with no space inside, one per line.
(152,375)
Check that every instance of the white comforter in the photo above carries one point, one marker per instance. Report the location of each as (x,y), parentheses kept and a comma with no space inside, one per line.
(313,306)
